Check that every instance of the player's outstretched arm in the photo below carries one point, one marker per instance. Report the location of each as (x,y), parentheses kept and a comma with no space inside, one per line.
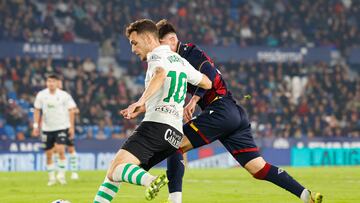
(136,113)
(155,84)
(205,83)
(190,108)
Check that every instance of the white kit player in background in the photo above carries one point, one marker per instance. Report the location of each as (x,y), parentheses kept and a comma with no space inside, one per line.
(57,125)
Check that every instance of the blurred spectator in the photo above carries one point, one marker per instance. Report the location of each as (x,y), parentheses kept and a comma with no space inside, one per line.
(285,23)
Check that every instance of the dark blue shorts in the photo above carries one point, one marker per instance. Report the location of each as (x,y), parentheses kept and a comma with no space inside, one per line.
(227,122)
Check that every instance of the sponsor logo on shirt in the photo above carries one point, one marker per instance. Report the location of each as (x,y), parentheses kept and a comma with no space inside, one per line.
(154,57)
(168,109)
(173,138)
(174,58)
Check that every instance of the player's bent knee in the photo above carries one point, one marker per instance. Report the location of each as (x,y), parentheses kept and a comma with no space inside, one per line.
(262,173)
(255,165)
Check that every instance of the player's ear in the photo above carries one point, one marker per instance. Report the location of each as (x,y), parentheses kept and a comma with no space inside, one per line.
(148,38)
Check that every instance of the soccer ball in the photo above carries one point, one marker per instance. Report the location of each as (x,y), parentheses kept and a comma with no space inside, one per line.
(60,201)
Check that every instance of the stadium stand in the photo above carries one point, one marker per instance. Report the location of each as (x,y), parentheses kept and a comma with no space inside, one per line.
(288,99)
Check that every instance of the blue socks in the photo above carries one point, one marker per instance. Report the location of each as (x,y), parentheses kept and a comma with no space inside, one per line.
(175,171)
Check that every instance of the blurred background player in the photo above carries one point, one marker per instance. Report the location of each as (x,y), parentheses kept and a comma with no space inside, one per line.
(74,166)
(57,125)
(221,119)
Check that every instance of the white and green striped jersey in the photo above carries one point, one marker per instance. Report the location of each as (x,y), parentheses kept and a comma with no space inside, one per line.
(167,104)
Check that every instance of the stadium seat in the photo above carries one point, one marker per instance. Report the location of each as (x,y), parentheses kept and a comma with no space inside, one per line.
(12,95)
(21,128)
(10,132)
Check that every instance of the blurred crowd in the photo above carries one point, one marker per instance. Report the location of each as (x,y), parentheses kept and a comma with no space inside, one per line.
(288,100)
(284,23)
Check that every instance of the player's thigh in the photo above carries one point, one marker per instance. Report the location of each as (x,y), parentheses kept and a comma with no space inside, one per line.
(186,145)
(216,121)
(123,156)
(150,138)
(241,145)
(157,158)
(62,137)
(48,140)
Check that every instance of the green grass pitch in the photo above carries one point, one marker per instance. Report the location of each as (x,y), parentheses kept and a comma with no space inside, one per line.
(338,184)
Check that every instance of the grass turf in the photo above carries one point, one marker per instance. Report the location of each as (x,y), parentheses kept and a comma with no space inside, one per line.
(338,185)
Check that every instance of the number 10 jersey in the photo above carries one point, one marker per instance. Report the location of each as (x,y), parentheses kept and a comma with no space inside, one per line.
(167,104)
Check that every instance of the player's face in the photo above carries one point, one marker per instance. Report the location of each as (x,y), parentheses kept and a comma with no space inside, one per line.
(139,45)
(51,83)
(170,40)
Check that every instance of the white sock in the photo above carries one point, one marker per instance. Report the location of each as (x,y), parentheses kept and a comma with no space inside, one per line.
(305,196)
(51,171)
(62,167)
(175,197)
(107,191)
(74,162)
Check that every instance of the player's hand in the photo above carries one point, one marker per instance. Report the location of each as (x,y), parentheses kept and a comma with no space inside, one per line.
(71,132)
(189,110)
(123,112)
(35,132)
(133,110)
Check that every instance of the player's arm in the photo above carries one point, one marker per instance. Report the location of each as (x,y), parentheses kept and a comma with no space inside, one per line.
(156,81)
(72,122)
(209,70)
(37,109)
(138,111)
(36,124)
(190,108)
(71,106)
(207,78)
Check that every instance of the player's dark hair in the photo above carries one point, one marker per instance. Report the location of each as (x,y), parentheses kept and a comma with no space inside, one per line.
(142,26)
(165,28)
(52,76)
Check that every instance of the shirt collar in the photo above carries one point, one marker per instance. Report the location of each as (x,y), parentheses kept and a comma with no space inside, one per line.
(162,48)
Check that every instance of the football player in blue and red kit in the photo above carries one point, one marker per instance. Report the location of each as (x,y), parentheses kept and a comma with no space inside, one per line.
(221,119)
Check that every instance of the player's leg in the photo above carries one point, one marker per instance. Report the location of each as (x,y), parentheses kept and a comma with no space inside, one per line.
(60,148)
(138,149)
(210,125)
(175,173)
(61,137)
(243,148)
(262,170)
(50,167)
(74,167)
(125,168)
(48,141)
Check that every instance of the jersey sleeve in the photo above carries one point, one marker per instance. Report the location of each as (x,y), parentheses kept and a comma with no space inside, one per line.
(38,101)
(154,61)
(70,103)
(209,70)
(193,76)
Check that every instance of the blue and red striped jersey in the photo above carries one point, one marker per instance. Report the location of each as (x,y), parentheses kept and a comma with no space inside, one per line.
(202,62)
